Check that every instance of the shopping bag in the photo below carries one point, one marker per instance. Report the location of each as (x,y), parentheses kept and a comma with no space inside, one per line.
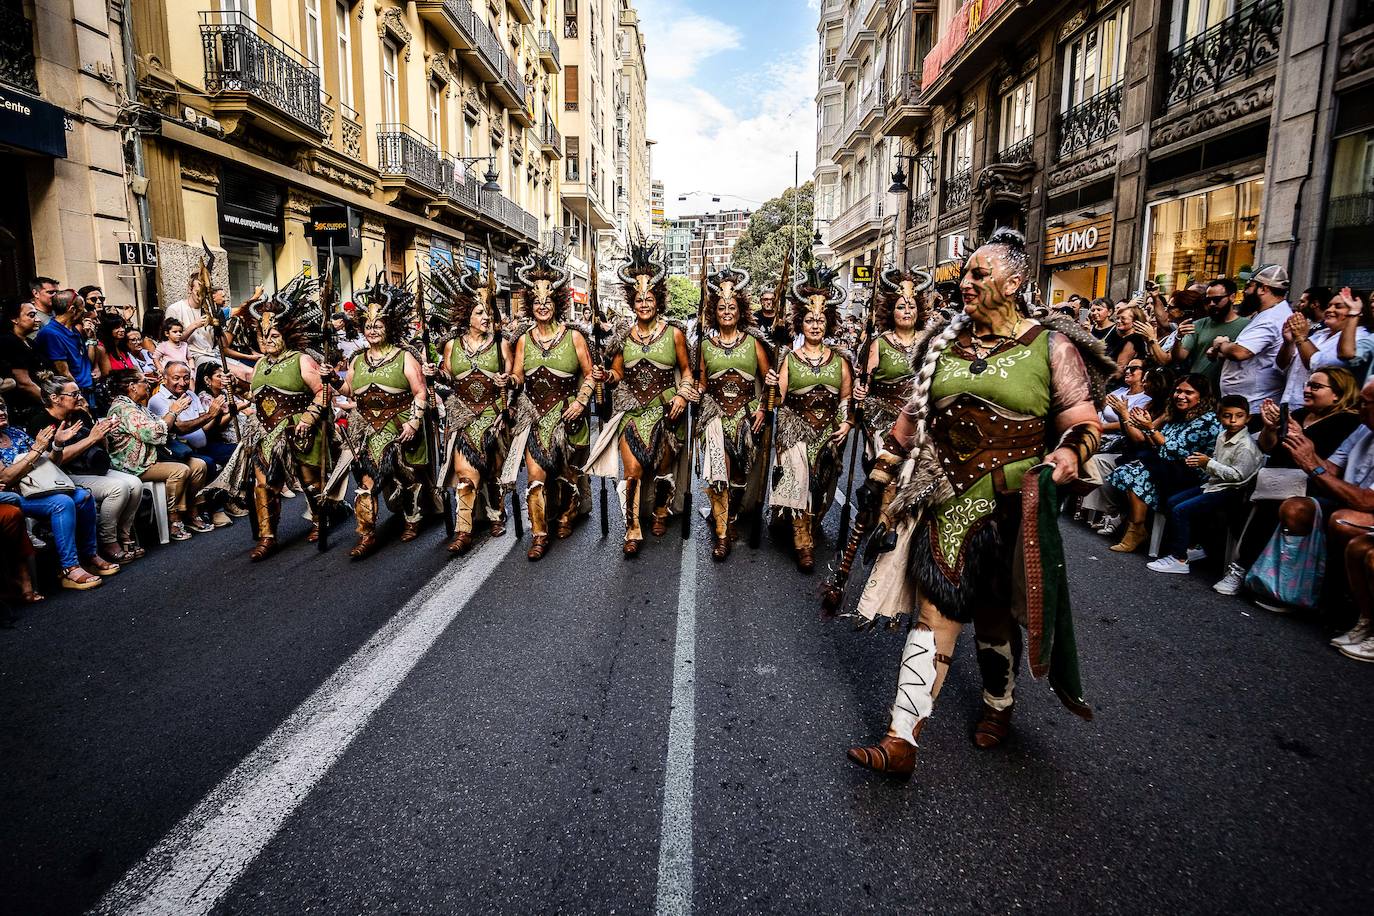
(1291,568)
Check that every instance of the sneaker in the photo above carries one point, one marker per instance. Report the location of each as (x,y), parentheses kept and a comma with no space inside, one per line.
(1112,526)
(1230,583)
(221,519)
(234,510)
(1277,608)
(1195,554)
(1362,651)
(1168,565)
(200,525)
(1354,637)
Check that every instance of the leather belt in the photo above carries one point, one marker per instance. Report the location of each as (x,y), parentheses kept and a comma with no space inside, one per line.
(732,390)
(275,405)
(973,440)
(545,389)
(379,406)
(893,394)
(476,390)
(646,380)
(817,406)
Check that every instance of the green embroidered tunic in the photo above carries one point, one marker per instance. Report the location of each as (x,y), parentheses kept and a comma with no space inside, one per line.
(732,381)
(551,380)
(279,391)
(651,380)
(385,404)
(814,395)
(474,385)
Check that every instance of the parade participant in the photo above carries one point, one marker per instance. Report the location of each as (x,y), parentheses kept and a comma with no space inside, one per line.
(813,423)
(551,434)
(475,412)
(734,361)
(389,456)
(281,442)
(652,378)
(899,314)
(993,388)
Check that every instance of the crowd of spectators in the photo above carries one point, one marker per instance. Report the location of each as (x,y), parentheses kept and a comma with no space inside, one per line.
(1243,424)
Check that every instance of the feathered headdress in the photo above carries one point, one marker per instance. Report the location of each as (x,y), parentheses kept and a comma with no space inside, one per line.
(645,273)
(392,305)
(545,266)
(294,311)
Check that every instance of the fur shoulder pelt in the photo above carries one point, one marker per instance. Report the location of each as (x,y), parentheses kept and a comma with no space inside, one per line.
(1101,367)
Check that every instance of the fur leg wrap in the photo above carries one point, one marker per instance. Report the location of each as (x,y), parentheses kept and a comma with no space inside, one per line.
(467,501)
(629,503)
(365,510)
(915,684)
(802,536)
(536,500)
(720,510)
(266,510)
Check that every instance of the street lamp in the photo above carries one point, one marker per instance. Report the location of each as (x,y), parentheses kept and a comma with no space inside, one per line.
(491,183)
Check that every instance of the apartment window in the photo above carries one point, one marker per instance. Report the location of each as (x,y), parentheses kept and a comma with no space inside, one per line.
(572,159)
(436,113)
(343,23)
(959,149)
(570,87)
(1095,60)
(469,132)
(1018,114)
(391,98)
(1193,17)
(845,185)
(314,34)
(862,171)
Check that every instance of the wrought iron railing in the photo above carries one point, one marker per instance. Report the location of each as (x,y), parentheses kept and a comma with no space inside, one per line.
(1351,210)
(957,192)
(1020,151)
(908,89)
(549,45)
(549,134)
(242,56)
(1090,121)
(351,131)
(918,214)
(17,65)
(402,153)
(1230,50)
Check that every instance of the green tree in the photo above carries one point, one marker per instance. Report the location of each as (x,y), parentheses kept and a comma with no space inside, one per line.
(683,298)
(772,228)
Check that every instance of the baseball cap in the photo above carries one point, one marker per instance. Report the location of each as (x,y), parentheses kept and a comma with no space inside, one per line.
(1272,276)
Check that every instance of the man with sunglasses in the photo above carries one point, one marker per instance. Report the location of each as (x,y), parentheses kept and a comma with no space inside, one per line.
(1195,337)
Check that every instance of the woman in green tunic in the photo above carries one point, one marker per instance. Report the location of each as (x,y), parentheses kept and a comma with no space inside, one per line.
(553,366)
(733,364)
(900,313)
(474,365)
(652,379)
(813,423)
(387,385)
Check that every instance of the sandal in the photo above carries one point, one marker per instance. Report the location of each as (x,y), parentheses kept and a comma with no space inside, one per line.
(70,580)
(114,553)
(178,532)
(101,566)
(132,551)
(31,597)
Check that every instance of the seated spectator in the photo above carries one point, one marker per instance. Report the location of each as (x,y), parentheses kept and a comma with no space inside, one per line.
(1327,418)
(1342,339)
(22,360)
(81,451)
(134,445)
(173,347)
(16,583)
(113,354)
(1358,642)
(1190,426)
(1229,468)
(1100,318)
(141,356)
(71,515)
(63,341)
(1343,484)
(1127,340)
(1250,367)
(189,427)
(1121,402)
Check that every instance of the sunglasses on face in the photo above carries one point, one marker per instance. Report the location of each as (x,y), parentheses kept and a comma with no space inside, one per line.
(1135,368)
(1218,298)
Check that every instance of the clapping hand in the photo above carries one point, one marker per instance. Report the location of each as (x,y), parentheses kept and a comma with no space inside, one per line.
(1270,413)
(1197,460)
(1296,328)
(68,431)
(104,427)
(1141,419)
(43,441)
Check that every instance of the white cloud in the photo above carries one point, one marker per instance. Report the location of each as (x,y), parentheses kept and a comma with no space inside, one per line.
(703,144)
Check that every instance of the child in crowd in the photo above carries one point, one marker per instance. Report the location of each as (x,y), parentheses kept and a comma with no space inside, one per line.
(1232,465)
(174,347)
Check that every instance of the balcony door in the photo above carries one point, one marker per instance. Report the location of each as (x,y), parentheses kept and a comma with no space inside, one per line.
(391,87)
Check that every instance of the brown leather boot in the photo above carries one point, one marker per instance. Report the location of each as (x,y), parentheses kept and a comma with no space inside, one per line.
(720,523)
(409,531)
(461,543)
(266,511)
(891,755)
(466,497)
(1130,541)
(992,727)
(536,501)
(569,513)
(364,512)
(314,535)
(263,549)
(804,542)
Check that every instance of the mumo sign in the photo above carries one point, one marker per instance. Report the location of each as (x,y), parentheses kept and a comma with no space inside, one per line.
(1078,241)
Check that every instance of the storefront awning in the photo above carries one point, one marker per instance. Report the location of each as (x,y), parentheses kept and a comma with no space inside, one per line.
(31,124)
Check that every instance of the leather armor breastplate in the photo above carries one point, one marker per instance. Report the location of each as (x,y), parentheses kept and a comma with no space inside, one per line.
(275,405)
(973,440)
(646,380)
(732,390)
(379,406)
(545,389)
(817,406)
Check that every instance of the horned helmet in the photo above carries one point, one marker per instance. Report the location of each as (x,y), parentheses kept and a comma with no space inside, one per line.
(897,285)
(281,320)
(730,284)
(390,305)
(818,291)
(645,274)
(544,279)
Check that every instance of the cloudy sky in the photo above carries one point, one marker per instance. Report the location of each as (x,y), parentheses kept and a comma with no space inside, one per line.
(732,87)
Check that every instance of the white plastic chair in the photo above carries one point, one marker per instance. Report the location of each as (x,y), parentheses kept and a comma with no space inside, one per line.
(157,491)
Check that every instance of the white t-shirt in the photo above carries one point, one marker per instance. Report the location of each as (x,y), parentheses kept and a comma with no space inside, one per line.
(201,343)
(162,400)
(1258,377)
(1107,415)
(1328,342)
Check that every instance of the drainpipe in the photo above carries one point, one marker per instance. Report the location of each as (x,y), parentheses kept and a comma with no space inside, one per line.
(145,221)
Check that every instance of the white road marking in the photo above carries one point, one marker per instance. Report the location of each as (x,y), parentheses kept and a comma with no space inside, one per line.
(192,868)
(675,835)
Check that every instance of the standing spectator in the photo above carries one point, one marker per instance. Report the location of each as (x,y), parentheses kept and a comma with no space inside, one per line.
(767,309)
(1251,370)
(1127,341)
(41,291)
(1229,468)
(198,333)
(1313,302)
(1192,353)
(81,451)
(1327,418)
(187,424)
(134,449)
(24,362)
(1180,308)
(1189,427)
(63,341)
(1100,318)
(1342,339)
(94,297)
(70,515)
(173,348)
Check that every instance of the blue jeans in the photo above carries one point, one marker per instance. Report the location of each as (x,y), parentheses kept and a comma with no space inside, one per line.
(72,519)
(1185,506)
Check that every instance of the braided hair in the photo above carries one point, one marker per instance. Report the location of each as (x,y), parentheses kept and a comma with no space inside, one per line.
(919,400)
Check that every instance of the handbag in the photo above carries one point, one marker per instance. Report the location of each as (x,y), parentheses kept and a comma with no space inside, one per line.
(1291,568)
(1279,483)
(45,479)
(174,450)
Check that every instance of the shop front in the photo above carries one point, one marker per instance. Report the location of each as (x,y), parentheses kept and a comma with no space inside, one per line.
(1204,235)
(251,230)
(1076,259)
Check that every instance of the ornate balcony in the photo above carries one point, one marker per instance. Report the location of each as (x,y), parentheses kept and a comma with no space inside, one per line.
(1018,152)
(550,140)
(905,111)
(1230,50)
(1090,121)
(253,76)
(481,49)
(17,65)
(918,213)
(548,52)
(1351,210)
(958,191)
(524,10)
(408,163)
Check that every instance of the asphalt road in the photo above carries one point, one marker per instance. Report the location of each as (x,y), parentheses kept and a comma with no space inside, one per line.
(519,763)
